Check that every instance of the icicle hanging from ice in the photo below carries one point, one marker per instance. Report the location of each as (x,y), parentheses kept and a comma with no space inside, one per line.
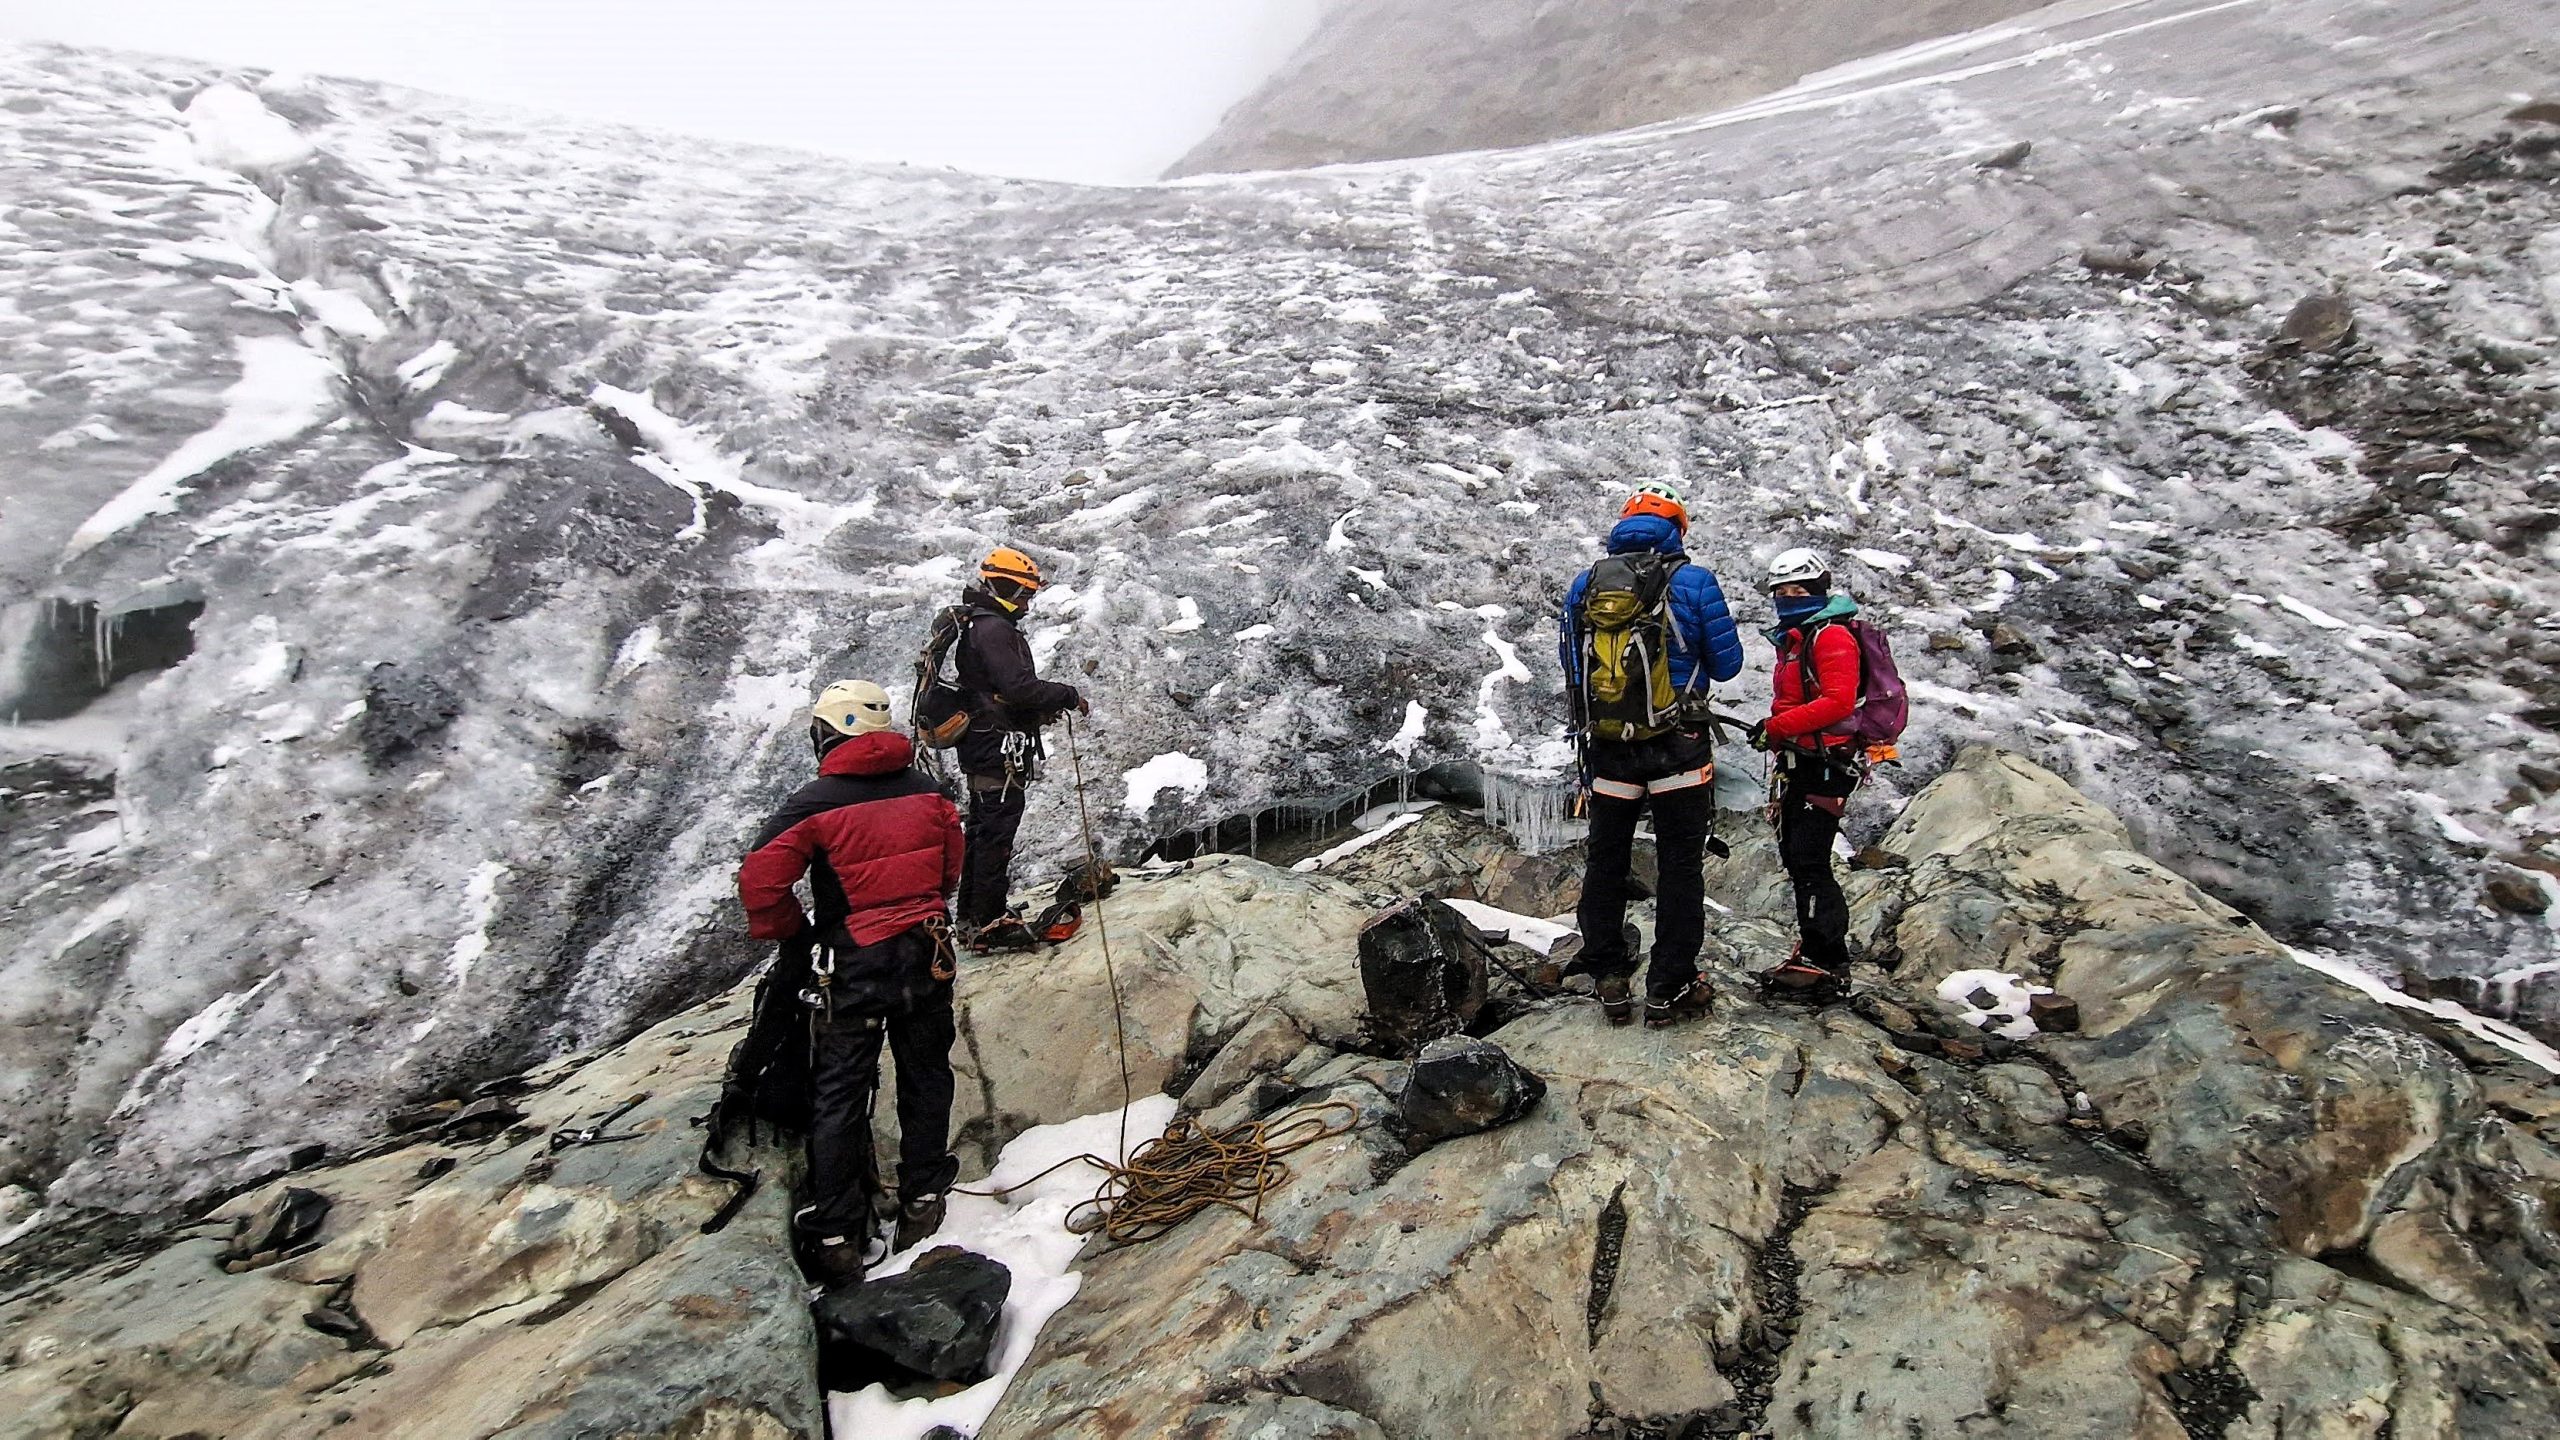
(1529,808)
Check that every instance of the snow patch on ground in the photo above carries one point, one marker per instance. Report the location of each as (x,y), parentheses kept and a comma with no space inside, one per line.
(1172,770)
(1539,935)
(235,130)
(284,389)
(2010,995)
(2495,1032)
(1027,1233)
(1187,617)
(1409,735)
(1357,843)
(193,1034)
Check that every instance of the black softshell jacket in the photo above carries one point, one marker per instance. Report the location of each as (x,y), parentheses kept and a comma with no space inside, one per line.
(1006,694)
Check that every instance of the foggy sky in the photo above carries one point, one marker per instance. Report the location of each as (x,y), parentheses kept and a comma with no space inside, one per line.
(1098,90)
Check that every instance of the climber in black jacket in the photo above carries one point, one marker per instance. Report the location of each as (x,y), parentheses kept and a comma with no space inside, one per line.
(1000,753)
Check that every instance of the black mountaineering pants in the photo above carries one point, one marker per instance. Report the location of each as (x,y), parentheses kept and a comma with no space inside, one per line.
(844,1066)
(1673,776)
(986,866)
(1810,800)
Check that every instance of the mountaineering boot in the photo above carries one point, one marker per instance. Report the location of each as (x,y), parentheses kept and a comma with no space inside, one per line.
(836,1260)
(918,1218)
(1693,1000)
(1005,932)
(1617,1003)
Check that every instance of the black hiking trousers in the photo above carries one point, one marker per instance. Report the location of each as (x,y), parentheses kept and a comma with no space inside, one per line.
(986,865)
(844,1074)
(1811,796)
(1672,776)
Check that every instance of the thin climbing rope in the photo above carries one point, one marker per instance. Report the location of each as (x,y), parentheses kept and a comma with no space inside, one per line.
(1093,873)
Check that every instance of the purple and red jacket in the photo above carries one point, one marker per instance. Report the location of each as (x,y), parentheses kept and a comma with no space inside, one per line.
(879,843)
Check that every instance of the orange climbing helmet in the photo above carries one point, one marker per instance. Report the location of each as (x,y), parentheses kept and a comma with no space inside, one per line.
(1006,563)
(1653,497)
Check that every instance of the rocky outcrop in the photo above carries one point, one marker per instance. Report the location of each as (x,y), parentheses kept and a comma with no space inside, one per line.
(453,1287)
(1775,1222)
(2244,1200)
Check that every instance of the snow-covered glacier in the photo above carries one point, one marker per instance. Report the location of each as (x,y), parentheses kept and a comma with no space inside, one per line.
(425,522)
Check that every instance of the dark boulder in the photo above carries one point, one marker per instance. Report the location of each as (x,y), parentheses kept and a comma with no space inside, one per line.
(1462,1085)
(939,1319)
(1423,973)
(289,1220)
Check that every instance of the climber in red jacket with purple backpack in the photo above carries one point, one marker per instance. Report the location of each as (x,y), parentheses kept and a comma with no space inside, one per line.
(1836,707)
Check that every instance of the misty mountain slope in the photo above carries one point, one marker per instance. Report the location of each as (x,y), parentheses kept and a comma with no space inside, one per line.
(514,482)
(1386,79)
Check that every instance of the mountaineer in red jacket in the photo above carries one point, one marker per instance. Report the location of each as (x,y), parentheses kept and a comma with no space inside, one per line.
(881,847)
(1813,689)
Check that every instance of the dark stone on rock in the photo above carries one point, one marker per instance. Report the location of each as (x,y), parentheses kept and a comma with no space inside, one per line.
(2319,322)
(2538,112)
(1876,857)
(1462,1085)
(403,710)
(2131,1134)
(2007,157)
(1981,999)
(1998,1047)
(1422,972)
(938,1319)
(289,1220)
(1945,641)
(1919,1042)
(434,1166)
(481,1119)
(2056,1014)
(2008,639)
(2542,778)
(338,1325)
(2129,260)
(1963,1049)
(306,1156)
(2517,894)
(1884,1014)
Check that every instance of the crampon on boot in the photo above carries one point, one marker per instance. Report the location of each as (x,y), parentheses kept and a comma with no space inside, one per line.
(1803,982)
(1693,1000)
(1005,932)
(1617,999)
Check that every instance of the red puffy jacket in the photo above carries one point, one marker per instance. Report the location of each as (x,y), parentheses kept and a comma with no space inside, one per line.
(1794,715)
(880,844)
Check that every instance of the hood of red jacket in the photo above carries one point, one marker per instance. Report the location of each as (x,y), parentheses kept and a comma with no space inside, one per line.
(879,752)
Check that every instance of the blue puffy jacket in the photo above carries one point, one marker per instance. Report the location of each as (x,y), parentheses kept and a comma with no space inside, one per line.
(1700,623)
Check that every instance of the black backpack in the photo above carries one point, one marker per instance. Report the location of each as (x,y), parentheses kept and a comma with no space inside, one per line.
(1625,645)
(940,708)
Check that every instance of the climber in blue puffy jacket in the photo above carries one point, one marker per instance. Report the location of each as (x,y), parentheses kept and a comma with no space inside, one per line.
(1640,717)
(1698,613)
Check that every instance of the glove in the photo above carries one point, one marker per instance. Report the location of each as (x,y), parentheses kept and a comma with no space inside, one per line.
(1757,736)
(1083,706)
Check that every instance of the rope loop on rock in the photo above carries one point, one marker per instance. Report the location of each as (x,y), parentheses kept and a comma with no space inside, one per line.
(1190,1168)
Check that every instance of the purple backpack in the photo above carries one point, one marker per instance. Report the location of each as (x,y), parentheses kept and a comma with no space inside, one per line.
(1884,707)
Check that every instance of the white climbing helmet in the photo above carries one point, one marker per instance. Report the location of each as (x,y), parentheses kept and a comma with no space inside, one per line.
(1663,488)
(852,707)
(1798,567)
